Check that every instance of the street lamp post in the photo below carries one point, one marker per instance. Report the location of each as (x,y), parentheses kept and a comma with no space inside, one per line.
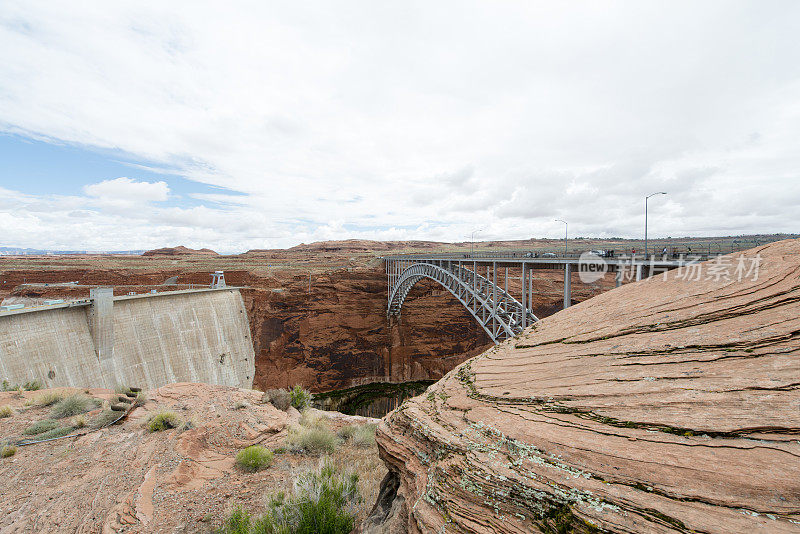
(472,246)
(566,228)
(645,220)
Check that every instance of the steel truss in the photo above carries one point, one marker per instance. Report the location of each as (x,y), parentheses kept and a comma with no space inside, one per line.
(501,315)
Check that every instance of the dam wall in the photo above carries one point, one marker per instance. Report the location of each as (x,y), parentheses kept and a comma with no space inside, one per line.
(143,340)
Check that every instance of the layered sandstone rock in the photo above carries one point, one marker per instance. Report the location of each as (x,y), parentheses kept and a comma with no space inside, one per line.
(662,406)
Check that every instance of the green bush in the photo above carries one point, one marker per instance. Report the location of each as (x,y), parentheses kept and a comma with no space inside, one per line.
(73,405)
(311,440)
(33,385)
(300,397)
(280,398)
(8,386)
(7,451)
(40,426)
(254,458)
(163,421)
(6,411)
(239,522)
(324,503)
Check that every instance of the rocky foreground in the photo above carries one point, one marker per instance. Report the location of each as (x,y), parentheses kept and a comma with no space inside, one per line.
(662,406)
(124,478)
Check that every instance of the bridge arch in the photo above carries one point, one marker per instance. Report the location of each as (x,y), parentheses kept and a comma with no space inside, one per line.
(499,314)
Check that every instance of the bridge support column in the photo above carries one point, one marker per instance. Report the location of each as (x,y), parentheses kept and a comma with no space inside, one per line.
(618,277)
(638,272)
(567,285)
(524,296)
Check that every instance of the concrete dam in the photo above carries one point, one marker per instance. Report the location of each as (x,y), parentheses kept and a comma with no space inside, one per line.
(147,340)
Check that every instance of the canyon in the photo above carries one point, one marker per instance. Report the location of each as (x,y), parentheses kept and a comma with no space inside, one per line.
(317,312)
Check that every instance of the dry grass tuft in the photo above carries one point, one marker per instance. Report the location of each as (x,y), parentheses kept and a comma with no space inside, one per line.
(47,398)
(280,398)
(311,440)
(311,419)
(73,405)
(79,421)
(6,411)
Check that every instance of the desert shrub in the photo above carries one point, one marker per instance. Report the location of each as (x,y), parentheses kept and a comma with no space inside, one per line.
(280,398)
(7,451)
(300,397)
(6,411)
(359,435)
(56,432)
(79,421)
(8,386)
(323,503)
(72,405)
(311,440)
(47,398)
(33,385)
(40,426)
(254,458)
(104,418)
(364,436)
(311,419)
(163,420)
(239,522)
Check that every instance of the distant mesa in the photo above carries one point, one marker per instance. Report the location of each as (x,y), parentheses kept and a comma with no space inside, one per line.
(363,245)
(180,251)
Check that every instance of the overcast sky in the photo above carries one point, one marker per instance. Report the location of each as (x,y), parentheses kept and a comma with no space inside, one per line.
(238,125)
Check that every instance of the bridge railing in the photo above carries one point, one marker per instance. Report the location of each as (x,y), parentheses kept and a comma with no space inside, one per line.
(689,251)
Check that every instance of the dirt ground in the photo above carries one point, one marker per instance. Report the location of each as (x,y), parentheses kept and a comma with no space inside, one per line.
(126,479)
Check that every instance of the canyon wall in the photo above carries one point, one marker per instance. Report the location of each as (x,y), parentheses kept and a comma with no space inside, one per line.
(337,334)
(325,329)
(143,340)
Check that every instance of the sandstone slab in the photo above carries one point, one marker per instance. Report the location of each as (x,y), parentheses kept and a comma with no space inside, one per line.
(668,405)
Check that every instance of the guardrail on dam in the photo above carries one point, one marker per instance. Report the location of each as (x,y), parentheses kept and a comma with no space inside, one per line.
(148,340)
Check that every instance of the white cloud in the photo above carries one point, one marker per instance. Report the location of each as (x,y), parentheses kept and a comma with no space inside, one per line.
(417,119)
(128,190)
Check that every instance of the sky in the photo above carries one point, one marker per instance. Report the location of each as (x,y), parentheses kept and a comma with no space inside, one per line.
(239,125)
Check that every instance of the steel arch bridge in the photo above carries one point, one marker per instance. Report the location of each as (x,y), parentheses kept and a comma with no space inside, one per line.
(499,314)
(495,309)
